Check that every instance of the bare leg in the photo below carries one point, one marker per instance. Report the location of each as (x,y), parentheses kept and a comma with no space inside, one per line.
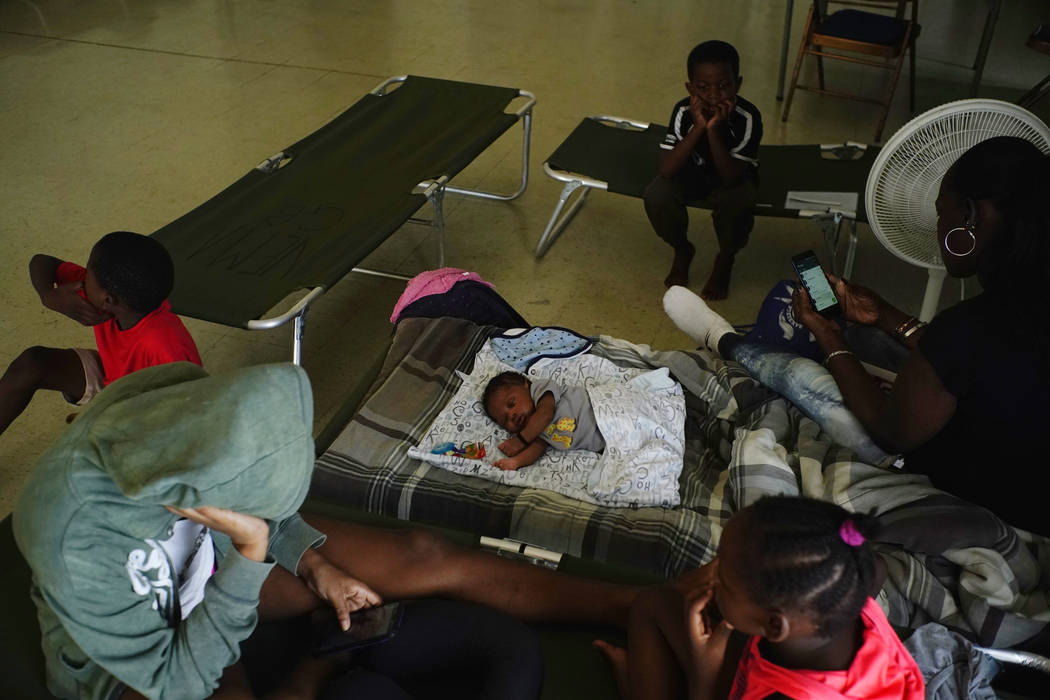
(683,257)
(38,368)
(657,645)
(617,657)
(717,285)
(232,686)
(414,564)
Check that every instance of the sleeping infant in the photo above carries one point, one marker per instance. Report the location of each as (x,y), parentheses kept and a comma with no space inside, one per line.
(539,413)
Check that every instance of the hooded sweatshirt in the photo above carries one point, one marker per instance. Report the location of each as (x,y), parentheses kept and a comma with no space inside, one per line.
(91,515)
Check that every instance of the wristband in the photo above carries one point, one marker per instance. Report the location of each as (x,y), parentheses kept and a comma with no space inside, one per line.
(836,354)
(523,440)
(908,327)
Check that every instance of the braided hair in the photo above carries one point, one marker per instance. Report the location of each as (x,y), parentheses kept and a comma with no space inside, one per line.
(810,554)
(502,380)
(134,268)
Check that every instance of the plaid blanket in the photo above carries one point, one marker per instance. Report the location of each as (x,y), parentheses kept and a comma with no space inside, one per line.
(971,572)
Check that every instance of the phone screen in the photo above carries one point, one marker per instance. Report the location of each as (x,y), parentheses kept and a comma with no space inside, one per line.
(368,626)
(816,282)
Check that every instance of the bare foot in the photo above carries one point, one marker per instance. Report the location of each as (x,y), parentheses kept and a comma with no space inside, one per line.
(717,286)
(617,657)
(679,274)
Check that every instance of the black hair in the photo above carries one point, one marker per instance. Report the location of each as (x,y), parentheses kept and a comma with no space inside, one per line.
(713,51)
(501,381)
(1014,175)
(799,559)
(134,268)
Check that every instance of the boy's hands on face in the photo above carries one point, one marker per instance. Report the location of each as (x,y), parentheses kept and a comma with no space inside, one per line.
(66,300)
(719,114)
(698,112)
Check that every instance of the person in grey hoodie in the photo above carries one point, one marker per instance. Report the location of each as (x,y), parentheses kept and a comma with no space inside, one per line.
(153,524)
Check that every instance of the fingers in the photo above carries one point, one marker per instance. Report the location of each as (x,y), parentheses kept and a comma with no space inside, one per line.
(695,612)
(354,596)
(342,611)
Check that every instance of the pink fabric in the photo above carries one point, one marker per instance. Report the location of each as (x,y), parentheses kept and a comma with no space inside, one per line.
(882,670)
(432,282)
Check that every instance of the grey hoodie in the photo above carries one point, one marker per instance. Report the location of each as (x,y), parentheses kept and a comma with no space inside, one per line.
(168,435)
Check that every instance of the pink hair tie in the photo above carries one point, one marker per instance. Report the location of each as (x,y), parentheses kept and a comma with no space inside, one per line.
(850,534)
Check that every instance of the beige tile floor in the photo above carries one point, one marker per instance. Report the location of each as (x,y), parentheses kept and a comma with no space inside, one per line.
(121,114)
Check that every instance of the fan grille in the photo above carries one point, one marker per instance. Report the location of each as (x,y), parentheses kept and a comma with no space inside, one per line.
(905,178)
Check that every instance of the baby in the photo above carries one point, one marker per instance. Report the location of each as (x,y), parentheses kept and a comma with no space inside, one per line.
(539,413)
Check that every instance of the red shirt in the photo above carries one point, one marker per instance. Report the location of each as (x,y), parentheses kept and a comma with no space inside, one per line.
(158,338)
(882,670)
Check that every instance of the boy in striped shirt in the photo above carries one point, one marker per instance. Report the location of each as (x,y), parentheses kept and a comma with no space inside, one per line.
(710,157)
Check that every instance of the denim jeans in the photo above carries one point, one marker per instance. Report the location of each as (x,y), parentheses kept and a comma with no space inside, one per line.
(810,387)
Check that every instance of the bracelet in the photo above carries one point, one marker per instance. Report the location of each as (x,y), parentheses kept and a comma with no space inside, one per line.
(523,440)
(918,324)
(908,326)
(836,354)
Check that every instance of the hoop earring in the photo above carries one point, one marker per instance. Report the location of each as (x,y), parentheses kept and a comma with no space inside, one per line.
(973,241)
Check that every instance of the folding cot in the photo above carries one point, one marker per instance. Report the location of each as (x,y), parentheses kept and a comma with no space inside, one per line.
(308,215)
(620,155)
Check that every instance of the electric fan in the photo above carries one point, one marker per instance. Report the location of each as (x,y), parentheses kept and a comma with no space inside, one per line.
(906,176)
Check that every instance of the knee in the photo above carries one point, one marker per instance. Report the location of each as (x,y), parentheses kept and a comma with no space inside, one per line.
(423,548)
(659,193)
(652,605)
(29,368)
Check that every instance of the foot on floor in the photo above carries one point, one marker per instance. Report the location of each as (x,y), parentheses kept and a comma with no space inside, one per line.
(717,286)
(679,274)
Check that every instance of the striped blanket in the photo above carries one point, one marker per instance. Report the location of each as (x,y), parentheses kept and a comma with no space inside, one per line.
(971,572)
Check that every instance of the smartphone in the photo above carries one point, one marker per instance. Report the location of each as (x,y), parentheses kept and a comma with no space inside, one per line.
(808,269)
(367,627)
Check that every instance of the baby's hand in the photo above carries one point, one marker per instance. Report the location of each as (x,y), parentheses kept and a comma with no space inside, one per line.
(507,464)
(511,446)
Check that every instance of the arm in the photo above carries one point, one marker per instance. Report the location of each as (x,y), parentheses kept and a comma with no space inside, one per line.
(730,170)
(540,418)
(63,298)
(529,455)
(914,411)
(119,628)
(673,160)
(709,669)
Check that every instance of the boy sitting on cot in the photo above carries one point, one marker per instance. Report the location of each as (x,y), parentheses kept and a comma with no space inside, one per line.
(710,158)
(123,293)
(539,413)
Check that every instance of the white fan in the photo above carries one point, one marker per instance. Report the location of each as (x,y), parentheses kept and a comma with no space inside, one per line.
(906,176)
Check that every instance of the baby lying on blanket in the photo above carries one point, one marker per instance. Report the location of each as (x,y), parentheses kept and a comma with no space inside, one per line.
(539,413)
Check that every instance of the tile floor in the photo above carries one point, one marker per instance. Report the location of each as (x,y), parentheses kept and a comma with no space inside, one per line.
(125,115)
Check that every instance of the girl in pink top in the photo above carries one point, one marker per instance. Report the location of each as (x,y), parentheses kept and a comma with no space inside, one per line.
(784,610)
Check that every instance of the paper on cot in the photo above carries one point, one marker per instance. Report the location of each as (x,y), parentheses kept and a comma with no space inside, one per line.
(641,415)
(842,202)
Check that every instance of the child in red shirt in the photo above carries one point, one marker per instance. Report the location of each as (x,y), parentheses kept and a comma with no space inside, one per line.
(792,582)
(122,293)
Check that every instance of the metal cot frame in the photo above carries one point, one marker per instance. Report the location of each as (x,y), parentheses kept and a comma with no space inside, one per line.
(434,190)
(831,221)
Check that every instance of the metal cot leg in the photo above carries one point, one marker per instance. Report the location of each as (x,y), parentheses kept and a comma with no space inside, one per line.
(556,225)
(526,123)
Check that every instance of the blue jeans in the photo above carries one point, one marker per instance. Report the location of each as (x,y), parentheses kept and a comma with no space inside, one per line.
(810,387)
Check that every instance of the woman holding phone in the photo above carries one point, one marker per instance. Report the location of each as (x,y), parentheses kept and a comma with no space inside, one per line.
(974,392)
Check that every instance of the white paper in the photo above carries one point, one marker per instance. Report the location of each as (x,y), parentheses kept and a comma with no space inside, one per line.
(845,202)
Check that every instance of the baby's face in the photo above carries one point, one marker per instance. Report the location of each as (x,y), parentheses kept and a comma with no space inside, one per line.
(511,407)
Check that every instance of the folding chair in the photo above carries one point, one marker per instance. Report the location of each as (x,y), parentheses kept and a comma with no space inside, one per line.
(844,32)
